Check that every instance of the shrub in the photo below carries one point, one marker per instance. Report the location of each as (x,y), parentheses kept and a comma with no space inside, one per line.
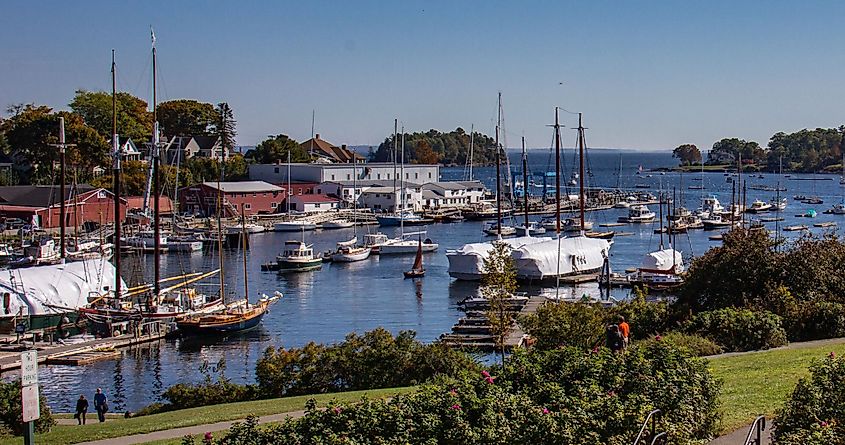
(815,320)
(182,395)
(645,318)
(740,329)
(566,324)
(11,411)
(695,345)
(376,359)
(563,396)
(815,412)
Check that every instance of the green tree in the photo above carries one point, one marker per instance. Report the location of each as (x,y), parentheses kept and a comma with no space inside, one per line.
(276,149)
(225,126)
(730,150)
(433,146)
(498,285)
(236,168)
(688,154)
(187,117)
(133,119)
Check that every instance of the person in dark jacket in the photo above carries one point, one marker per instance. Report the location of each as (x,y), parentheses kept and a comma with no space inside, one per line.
(101,404)
(81,410)
(614,338)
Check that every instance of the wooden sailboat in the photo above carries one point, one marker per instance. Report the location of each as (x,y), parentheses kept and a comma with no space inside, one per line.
(417,271)
(348,251)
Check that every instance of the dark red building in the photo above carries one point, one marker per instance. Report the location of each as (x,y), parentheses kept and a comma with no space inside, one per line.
(253,196)
(83,203)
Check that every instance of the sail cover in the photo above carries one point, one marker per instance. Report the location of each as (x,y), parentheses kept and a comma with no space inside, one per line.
(467,262)
(55,289)
(578,254)
(662,260)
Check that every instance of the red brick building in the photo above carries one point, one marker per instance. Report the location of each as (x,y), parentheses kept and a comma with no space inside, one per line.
(255,196)
(83,203)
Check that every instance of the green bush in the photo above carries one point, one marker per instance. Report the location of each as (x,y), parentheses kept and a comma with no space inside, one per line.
(376,359)
(646,319)
(815,412)
(695,345)
(11,411)
(566,324)
(182,396)
(565,396)
(815,320)
(739,329)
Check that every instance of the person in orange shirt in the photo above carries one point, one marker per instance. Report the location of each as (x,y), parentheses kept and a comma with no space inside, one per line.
(625,330)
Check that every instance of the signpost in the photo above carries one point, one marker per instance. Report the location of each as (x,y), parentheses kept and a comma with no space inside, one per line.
(29,394)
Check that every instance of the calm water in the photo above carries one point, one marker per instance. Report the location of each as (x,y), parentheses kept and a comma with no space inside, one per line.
(325,305)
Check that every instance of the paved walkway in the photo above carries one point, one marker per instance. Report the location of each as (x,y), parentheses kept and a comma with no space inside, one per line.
(177,433)
(738,437)
(796,345)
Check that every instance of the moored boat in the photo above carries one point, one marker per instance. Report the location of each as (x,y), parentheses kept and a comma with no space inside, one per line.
(298,257)
(236,317)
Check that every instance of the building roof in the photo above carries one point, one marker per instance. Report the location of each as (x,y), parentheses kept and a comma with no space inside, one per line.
(312,199)
(326,149)
(38,195)
(428,194)
(243,186)
(446,185)
(206,142)
(471,184)
(379,190)
(376,183)
(165,205)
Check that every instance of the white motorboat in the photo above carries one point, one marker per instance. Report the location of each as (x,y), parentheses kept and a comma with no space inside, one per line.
(467,263)
(337,224)
(294,226)
(348,252)
(638,214)
(779,205)
(662,269)
(534,228)
(574,225)
(374,241)
(710,206)
(759,206)
(298,257)
(252,228)
(493,229)
(838,209)
(408,243)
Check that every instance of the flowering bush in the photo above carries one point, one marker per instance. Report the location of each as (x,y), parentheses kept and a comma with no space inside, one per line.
(740,329)
(815,412)
(693,344)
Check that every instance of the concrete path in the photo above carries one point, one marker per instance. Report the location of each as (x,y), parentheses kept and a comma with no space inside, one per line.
(738,437)
(796,345)
(177,433)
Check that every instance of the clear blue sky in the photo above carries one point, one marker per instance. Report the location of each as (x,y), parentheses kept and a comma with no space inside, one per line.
(648,75)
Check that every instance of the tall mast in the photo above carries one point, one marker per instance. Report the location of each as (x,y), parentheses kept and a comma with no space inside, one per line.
(62,179)
(243,247)
(156,187)
(287,199)
(395,147)
(471,144)
(402,184)
(581,144)
(219,209)
(525,185)
(660,214)
(311,145)
(116,174)
(557,173)
(498,188)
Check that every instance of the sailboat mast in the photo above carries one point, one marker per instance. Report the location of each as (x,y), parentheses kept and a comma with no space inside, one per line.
(660,215)
(156,189)
(219,210)
(288,191)
(557,173)
(498,188)
(402,185)
(62,179)
(243,246)
(116,174)
(525,185)
(395,147)
(581,167)
(471,146)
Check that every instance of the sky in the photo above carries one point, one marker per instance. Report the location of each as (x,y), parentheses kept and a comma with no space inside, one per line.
(647,75)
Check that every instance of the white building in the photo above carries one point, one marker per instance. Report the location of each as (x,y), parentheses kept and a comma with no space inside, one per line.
(452,194)
(319,173)
(313,203)
(377,195)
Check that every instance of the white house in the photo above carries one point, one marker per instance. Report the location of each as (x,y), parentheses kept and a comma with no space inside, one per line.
(322,172)
(313,203)
(452,194)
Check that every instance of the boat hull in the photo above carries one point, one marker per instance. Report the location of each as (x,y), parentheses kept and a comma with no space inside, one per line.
(405,248)
(293,227)
(299,266)
(40,321)
(220,328)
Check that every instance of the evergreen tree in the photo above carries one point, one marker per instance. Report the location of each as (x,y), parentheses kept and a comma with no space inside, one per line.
(226,126)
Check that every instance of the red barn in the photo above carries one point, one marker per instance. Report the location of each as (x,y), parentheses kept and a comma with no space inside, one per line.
(255,196)
(83,203)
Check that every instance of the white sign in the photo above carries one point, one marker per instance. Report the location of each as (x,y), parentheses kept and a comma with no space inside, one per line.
(29,368)
(31,406)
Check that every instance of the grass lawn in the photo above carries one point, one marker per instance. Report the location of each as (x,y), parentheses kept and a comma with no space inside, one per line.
(759,383)
(195,416)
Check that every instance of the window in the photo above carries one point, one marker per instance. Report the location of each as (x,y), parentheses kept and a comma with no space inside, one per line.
(378,176)
(407,175)
(264,194)
(348,177)
(247,206)
(316,205)
(332,177)
(254,194)
(273,205)
(416,176)
(276,170)
(429,175)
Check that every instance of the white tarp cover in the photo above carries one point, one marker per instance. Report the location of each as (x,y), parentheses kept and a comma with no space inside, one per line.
(578,254)
(57,288)
(467,262)
(662,260)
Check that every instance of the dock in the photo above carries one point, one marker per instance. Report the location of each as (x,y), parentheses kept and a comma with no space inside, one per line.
(473,330)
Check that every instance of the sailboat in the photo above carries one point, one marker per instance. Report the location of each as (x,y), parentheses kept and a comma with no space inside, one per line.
(405,244)
(498,228)
(528,227)
(293,225)
(348,251)
(417,271)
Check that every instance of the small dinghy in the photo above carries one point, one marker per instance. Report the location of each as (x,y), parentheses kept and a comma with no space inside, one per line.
(417,271)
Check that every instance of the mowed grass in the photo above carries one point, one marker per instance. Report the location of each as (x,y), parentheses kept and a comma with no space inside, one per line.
(760,382)
(62,434)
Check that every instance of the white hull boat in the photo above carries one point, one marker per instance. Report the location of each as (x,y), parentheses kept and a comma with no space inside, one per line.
(467,263)
(294,226)
(337,224)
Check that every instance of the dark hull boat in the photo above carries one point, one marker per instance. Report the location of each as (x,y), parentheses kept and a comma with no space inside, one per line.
(236,317)
(417,271)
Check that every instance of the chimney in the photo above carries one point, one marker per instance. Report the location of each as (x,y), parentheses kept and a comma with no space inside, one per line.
(317,136)
(343,147)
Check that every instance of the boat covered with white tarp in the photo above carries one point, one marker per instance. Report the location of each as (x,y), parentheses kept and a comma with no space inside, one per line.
(467,263)
(578,255)
(661,269)
(662,260)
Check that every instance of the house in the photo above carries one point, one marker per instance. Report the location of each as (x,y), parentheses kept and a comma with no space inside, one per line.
(377,195)
(181,148)
(452,194)
(128,150)
(313,203)
(328,152)
(83,203)
(251,197)
(320,173)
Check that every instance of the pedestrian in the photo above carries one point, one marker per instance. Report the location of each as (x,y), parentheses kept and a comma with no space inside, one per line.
(614,338)
(81,410)
(625,330)
(101,404)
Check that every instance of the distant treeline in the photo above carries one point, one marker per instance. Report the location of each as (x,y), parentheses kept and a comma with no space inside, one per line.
(802,151)
(434,147)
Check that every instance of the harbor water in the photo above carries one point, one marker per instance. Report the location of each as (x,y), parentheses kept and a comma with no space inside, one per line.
(326,305)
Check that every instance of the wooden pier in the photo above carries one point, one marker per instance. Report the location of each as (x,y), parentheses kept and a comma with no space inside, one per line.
(473,331)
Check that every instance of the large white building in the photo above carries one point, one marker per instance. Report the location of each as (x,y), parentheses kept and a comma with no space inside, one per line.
(319,173)
(452,194)
(377,195)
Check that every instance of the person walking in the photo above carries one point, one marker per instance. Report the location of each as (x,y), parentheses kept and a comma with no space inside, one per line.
(614,338)
(101,404)
(625,330)
(81,410)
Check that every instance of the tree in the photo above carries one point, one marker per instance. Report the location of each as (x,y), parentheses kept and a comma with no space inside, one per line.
(424,154)
(498,285)
(95,108)
(187,117)
(433,146)
(688,154)
(225,126)
(276,149)
(730,149)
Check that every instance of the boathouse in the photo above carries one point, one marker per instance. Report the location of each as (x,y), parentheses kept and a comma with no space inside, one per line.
(254,197)
(83,203)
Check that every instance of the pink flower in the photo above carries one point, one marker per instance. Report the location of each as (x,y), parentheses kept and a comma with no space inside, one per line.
(545,410)
(611,393)
(832,354)
(595,350)
(456,407)
(485,374)
(453,392)
(489,380)
(208,436)
(823,424)
(658,337)
(337,410)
